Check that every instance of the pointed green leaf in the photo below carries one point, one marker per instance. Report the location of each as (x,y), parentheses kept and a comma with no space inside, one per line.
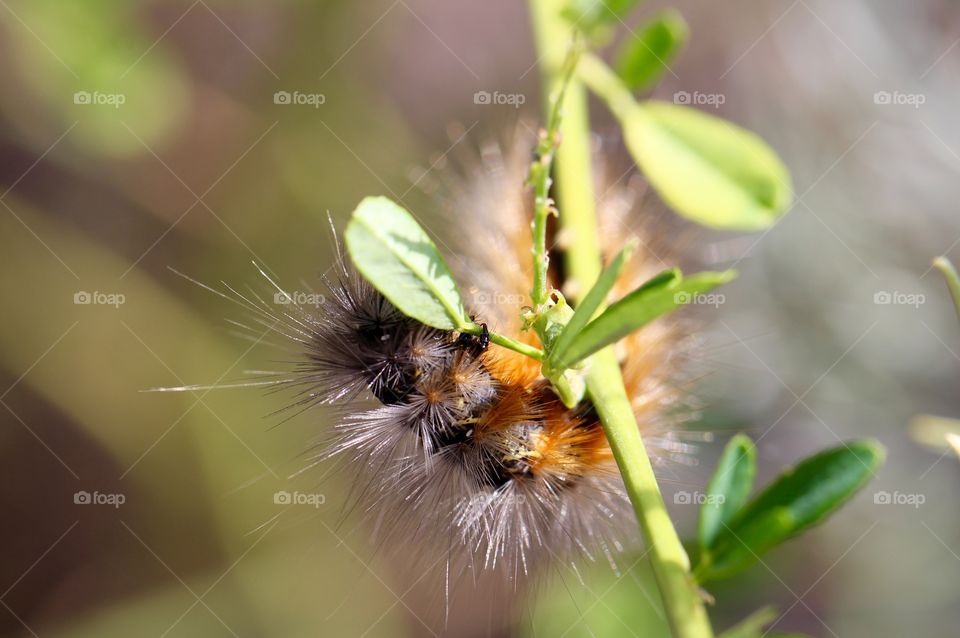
(752,626)
(800,498)
(592,301)
(706,168)
(588,15)
(648,54)
(728,489)
(660,295)
(393,252)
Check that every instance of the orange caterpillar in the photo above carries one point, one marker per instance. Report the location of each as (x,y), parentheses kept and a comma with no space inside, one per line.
(469,448)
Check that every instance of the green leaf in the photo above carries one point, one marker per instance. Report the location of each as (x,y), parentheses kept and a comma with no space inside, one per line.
(728,489)
(393,252)
(656,297)
(588,15)
(950,274)
(648,54)
(593,300)
(706,168)
(800,498)
(752,626)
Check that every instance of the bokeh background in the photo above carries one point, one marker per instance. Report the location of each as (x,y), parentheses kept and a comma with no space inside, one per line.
(142,137)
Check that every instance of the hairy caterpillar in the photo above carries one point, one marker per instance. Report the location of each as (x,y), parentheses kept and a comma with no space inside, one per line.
(461,445)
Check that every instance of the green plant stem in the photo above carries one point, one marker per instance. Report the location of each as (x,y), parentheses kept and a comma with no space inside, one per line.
(681,597)
(541,210)
(681,600)
(601,79)
(516,346)
(573,169)
(540,177)
(506,342)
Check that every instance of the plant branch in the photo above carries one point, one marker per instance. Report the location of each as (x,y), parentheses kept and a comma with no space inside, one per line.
(573,165)
(506,342)
(681,600)
(540,178)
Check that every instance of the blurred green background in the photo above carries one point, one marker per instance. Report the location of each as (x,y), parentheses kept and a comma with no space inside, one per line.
(144,136)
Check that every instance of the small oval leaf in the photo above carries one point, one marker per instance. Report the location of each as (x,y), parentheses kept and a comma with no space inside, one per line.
(393,252)
(800,498)
(706,168)
(728,489)
(647,55)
